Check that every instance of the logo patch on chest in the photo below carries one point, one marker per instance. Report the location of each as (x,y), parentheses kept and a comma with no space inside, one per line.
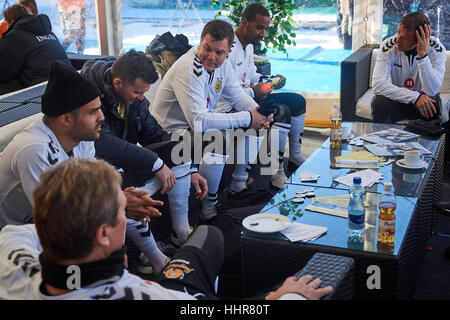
(217,86)
(409,83)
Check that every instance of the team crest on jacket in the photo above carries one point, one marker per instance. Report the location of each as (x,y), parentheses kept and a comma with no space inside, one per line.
(177,269)
(409,83)
(217,86)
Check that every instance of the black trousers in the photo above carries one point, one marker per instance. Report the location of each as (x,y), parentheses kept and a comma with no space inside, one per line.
(294,101)
(196,264)
(137,178)
(385,110)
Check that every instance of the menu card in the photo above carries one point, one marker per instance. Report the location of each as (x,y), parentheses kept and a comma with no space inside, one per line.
(303,232)
(389,136)
(368,178)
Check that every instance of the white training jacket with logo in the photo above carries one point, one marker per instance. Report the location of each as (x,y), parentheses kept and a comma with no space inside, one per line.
(243,63)
(402,80)
(188,95)
(31,152)
(20,276)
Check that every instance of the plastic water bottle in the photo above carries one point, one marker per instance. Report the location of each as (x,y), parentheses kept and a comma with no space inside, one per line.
(386,218)
(356,210)
(336,126)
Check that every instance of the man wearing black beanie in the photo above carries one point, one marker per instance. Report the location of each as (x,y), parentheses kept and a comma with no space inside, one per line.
(128,122)
(70,125)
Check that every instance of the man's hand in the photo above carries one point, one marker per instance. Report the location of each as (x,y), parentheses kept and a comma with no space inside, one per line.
(260,121)
(280,84)
(260,93)
(305,286)
(125,261)
(200,184)
(423,40)
(425,106)
(165,175)
(141,207)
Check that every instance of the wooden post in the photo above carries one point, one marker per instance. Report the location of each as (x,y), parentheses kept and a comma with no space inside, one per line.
(109,26)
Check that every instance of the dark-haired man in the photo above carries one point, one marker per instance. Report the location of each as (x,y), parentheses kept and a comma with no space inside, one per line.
(251,31)
(123,82)
(409,73)
(188,95)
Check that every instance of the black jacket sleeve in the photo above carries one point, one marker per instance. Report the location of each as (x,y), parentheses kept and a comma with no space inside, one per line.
(148,129)
(122,153)
(11,59)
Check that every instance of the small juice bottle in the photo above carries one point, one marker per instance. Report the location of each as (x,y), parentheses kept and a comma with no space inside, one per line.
(386,218)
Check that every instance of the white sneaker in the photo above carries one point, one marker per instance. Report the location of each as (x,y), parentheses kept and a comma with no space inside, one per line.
(179,242)
(145,266)
(279,179)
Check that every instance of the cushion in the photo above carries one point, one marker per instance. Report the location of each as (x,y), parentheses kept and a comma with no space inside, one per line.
(446,84)
(372,64)
(363,106)
(445,97)
(10,130)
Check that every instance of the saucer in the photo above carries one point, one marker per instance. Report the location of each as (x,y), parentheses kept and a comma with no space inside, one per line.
(401,163)
(348,137)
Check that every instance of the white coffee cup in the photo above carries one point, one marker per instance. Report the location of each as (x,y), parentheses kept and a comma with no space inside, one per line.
(412,158)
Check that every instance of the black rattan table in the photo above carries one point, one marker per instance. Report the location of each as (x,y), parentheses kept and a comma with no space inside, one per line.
(388,273)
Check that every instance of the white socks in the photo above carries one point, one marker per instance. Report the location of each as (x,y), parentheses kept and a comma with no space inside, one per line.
(279,177)
(249,148)
(295,139)
(144,240)
(211,168)
(179,200)
(178,197)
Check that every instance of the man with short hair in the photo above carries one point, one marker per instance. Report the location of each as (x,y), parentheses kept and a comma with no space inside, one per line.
(128,122)
(188,95)
(250,32)
(70,125)
(409,73)
(75,248)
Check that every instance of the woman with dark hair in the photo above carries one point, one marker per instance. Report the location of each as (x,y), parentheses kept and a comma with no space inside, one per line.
(30,5)
(10,15)
(26,50)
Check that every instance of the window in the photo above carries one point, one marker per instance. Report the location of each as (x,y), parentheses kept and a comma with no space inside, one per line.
(436,10)
(312,65)
(73,22)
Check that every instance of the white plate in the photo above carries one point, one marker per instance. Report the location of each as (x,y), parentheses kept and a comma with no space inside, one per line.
(422,164)
(266,222)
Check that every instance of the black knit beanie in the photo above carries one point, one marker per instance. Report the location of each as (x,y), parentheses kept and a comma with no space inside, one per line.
(66,90)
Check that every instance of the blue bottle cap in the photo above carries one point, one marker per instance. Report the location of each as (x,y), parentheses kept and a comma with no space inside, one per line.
(356,180)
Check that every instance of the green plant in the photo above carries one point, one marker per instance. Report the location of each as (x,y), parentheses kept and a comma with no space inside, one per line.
(279,34)
(287,206)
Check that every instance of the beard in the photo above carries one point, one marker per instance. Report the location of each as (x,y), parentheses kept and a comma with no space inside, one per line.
(85,134)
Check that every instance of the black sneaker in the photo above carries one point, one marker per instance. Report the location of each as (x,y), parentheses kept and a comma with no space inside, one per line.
(167,248)
(245,198)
